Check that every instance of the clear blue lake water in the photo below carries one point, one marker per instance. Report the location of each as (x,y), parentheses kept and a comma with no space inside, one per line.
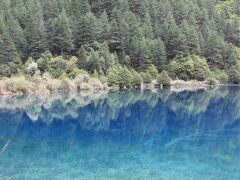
(122,135)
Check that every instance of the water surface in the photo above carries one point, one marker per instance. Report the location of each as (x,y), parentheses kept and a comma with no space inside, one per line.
(124,135)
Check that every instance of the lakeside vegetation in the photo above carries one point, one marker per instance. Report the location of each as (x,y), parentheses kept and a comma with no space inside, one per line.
(78,44)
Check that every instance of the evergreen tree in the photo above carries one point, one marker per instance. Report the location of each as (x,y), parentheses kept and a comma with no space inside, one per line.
(132,33)
(139,7)
(35,30)
(105,27)
(17,34)
(63,38)
(174,39)
(82,58)
(164,79)
(159,54)
(147,27)
(9,56)
(192,38)
(88,31)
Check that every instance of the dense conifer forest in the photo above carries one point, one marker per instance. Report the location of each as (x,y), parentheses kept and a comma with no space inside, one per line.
(123,40)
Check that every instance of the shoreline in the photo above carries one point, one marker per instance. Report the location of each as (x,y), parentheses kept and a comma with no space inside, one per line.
(176,86)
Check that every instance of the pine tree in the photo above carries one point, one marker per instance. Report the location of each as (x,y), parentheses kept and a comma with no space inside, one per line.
(63,38)
(9,57)
(139,7)
(105,27)
(147,27)
(192,38)
(159,54)
(88,31)
(82,58)
(35,31)
(140,54)
(214,49)
(174,39)
(236,5)
(17,34)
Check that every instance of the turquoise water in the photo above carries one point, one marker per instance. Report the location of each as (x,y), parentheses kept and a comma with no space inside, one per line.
(124,135)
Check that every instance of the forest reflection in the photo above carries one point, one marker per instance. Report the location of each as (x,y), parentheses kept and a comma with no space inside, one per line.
(207,118)
(139,112)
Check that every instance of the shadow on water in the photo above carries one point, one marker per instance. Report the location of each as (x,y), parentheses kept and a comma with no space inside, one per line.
(129,134)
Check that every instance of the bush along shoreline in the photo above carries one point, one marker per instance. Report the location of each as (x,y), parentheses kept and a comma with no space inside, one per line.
(20,85)
(48,73)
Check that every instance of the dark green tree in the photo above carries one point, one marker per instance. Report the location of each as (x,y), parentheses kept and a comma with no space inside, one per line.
(63,38)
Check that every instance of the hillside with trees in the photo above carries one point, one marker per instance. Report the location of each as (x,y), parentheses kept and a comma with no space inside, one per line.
(127,41)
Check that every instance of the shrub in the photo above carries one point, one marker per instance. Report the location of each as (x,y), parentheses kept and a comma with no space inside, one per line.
(81,78)
(42,65)
(2,86)
(153,71)
(147,78)
(175,69)
(43,61)
(96,74)
(164,79)
(85,86)
(46,76)
(113,75)
(188,68)
(234,75)
(201,69)
(126,78)
(137,79)
(5,70)
(71,64)
(56,73)
(17,84)
(73,74)
(31,68)
(95,83)
(57,66)
(212,81)
(36,80)
(67,84)
(58,63)
(221,76)
(53,84)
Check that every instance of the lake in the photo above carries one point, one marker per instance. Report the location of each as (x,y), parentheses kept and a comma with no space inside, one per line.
(122,135)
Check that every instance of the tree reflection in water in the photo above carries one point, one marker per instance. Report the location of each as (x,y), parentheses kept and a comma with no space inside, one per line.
(193,128)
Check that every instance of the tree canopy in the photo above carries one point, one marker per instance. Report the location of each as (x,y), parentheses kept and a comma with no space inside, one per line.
(203,35)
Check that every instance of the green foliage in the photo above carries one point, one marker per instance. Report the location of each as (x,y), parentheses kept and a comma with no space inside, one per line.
(5,70)
(174,69)
(221,76)
(164,79)
(153,71)
(63,37)
(114,75)
(126,78)
(137,79)
(120,76)
(57,66)
(234,75)
(16,84)
(170,35)
(189,67)
(31,68)
(212,81)
(147,78)
(201,69)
